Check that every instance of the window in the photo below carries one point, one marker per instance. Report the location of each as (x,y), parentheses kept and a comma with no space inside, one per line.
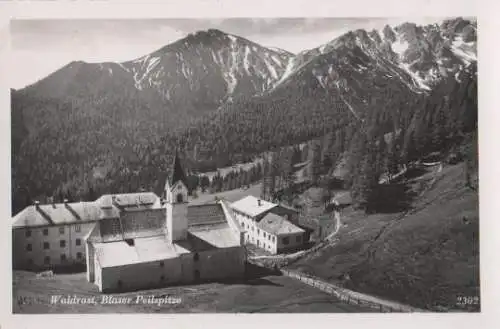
(78,242)
(196,257)
(78,228)
(29,247)
(258,231)
(264,233)
(63,258)
(46,260)
(62,243)
(180,198)
(286,240)
(162,264)
(258,243)
(46,245)
(299,239)
(78,255)
(45,231)
(61,230)
(27,233)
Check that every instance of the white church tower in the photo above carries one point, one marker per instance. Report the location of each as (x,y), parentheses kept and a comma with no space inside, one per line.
(176,201)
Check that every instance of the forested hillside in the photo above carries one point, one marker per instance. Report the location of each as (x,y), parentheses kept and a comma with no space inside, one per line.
(90,129)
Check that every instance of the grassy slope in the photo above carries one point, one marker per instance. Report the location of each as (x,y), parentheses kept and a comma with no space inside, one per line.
(261,295)
(425,258)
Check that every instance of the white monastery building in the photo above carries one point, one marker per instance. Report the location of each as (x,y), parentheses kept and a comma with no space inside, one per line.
(168,244)
(135,240)
(270,226)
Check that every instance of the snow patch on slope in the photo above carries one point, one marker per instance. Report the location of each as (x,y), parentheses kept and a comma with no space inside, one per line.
(417,79)
(399,47)
(460,48)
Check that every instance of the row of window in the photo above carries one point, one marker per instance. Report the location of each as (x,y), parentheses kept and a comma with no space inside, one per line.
(265,235)
(46,245)
(64,258)
(78,228)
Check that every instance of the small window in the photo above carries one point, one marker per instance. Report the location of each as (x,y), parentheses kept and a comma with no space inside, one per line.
(258,243)
(62,243)
(265,235)
(27,233)
(46,260)
(46,245)
(61,230)
(196,257)
(162,264)
(29,247)
(258,231)
(45,231)
(286,240)
(79,255)
(78,228)
(78,242)
(63,258)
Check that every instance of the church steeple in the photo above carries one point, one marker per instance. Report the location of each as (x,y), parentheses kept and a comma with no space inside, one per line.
(178,172)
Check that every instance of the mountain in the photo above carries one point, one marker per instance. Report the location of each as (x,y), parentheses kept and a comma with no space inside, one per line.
(342,82)
(424,54)
(221,99)
(200,71)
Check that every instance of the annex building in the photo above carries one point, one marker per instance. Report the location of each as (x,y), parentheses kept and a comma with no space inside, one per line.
(269,226)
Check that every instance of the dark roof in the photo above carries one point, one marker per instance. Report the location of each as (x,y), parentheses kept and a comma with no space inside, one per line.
(177,173)
(205,214)
(131,225)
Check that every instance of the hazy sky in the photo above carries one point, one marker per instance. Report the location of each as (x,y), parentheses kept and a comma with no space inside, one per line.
(40,47)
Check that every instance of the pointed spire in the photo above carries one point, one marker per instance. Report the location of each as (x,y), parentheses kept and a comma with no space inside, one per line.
(177,173)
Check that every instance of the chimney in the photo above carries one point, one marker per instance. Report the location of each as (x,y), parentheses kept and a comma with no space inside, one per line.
(259,202)
(37,205)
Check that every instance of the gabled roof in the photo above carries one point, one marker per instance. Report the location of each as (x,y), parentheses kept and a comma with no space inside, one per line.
(131,225)
(205,214)
(128,200)
(250,205)
(275,224)
(56,214)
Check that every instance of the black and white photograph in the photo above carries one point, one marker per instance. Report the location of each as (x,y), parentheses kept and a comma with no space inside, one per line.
(244,165)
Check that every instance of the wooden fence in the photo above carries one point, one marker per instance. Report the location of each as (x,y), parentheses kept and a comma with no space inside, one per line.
(350,297)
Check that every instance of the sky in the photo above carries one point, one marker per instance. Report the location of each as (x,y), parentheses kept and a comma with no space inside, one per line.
(40,47)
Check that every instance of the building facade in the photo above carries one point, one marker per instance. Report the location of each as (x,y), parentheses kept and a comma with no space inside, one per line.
(269,226)
(51,236)
(169,245)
